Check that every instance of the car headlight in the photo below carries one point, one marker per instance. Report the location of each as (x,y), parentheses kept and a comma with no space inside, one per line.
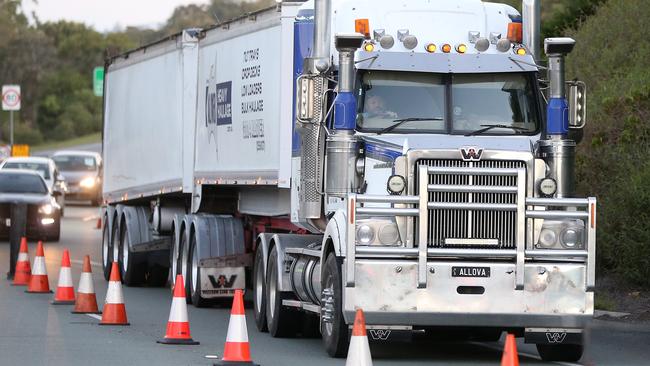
(365,234)
(87,182)
(47,209)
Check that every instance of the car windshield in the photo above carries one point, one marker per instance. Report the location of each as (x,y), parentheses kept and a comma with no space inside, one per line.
(75,163)
(453,104)
(22,183)
(42,169)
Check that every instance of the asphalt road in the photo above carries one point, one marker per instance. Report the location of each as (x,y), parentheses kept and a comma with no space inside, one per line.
(33,332)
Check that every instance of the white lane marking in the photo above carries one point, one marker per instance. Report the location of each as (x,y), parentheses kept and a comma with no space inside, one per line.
(95,316)
(94,264)
(525,354)
(90,218)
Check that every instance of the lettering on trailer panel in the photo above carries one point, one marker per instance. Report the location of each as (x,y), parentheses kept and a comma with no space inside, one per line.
(224,103)
(252,98)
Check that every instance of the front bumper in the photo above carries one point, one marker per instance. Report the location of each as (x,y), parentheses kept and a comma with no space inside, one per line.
(75,191)
(554,295)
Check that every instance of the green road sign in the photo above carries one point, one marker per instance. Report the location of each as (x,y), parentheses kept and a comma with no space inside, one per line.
(98,81)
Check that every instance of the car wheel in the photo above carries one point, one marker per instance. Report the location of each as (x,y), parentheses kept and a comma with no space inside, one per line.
(133,273)
(107,251)
(334,331)
(195,277)
(561,352)
(259,290)
(280,320)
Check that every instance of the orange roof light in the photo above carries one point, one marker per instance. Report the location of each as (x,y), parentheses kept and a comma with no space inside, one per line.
(521,51)
(446,48)
(362,26)
(515,32)
(461,48)
(431,48)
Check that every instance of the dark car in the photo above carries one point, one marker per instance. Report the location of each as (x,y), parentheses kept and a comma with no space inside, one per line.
(43,212)
(82,172)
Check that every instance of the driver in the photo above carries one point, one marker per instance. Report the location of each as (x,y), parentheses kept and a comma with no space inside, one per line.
(375,106)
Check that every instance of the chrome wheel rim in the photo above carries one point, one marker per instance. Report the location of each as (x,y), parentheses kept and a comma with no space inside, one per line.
(195,270)
(105,248)
(259,288)
(125,252)
(184,259)
(272,289)
(174,260)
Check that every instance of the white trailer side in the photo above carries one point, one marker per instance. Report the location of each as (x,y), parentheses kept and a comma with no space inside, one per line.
(149,118)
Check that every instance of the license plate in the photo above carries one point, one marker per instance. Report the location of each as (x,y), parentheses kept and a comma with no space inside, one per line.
(470,271)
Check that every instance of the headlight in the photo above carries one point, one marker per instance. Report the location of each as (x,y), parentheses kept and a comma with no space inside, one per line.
(46,209)
(388,234)
(567,234)
(547,238)
(87,182)
(365,234)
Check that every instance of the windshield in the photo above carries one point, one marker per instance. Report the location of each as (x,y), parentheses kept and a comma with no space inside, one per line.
(75,163)
(464,103)
(42,169)
(22,183)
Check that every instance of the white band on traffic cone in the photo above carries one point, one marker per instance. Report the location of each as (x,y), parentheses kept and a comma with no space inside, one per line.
(86,284)
(237,329)
(114,293)
(23,257)
(359,352)
(178,312)
(39,267)
(65,277)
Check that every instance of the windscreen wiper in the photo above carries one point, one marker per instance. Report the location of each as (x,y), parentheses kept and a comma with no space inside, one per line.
(490,127)
(399,122)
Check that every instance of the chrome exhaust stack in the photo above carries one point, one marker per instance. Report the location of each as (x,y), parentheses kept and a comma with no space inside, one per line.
(531,15)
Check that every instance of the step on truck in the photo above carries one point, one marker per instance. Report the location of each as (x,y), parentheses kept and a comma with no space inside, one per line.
(410,158)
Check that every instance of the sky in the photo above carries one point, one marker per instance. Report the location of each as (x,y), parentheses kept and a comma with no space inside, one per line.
(106,15)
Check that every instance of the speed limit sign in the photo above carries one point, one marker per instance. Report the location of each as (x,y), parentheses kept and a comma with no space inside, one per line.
(11,97)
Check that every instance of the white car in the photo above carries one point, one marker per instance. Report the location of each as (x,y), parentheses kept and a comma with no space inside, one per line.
(46,168)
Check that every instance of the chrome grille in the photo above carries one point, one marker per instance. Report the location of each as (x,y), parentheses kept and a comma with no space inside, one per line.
(471,224)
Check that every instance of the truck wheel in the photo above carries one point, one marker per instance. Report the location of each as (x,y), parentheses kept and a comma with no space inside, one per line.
(107,251)
(195,277)
(174,255)
(183,263)
(561,352)
(334,331)
(279,320)
(132,272)
(259,290)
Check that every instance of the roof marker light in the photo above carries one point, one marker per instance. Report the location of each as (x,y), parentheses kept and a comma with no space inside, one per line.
(521,51)
(410,42)
(369,47)
(387,41)
(482,44)
(362,26)
(504,45)
(446,48)
(461,48)
(431,48)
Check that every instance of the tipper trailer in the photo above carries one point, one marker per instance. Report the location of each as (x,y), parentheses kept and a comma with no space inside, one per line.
(403,157)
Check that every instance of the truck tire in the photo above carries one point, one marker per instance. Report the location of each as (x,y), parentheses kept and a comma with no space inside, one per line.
(194,276)
(107,251)
(133,273)
(280,321)
(561,352)
(335,332)
(174,255)
(259,291)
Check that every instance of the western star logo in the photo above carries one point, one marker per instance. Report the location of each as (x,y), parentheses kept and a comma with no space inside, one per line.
(471,153)
(222,281)
(379,334)
(555,337)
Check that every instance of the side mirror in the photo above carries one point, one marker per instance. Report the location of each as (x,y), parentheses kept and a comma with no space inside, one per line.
(577,96)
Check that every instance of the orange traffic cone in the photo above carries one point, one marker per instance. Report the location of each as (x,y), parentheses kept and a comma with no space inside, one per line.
(23,269)
(64,291)
(359,351)
(237,350)
(86,300)
(178,327)
(510,357)
(114,309)
(39,283)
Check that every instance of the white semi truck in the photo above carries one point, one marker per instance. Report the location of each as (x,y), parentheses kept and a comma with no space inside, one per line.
(410,158)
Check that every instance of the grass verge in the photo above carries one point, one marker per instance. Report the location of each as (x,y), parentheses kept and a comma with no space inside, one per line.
(82,140)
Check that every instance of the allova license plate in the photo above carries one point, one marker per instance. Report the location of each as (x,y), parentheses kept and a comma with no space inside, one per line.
(470,271)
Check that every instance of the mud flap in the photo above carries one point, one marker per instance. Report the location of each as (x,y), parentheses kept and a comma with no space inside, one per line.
(379,334)
(222,282)
(553,336)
